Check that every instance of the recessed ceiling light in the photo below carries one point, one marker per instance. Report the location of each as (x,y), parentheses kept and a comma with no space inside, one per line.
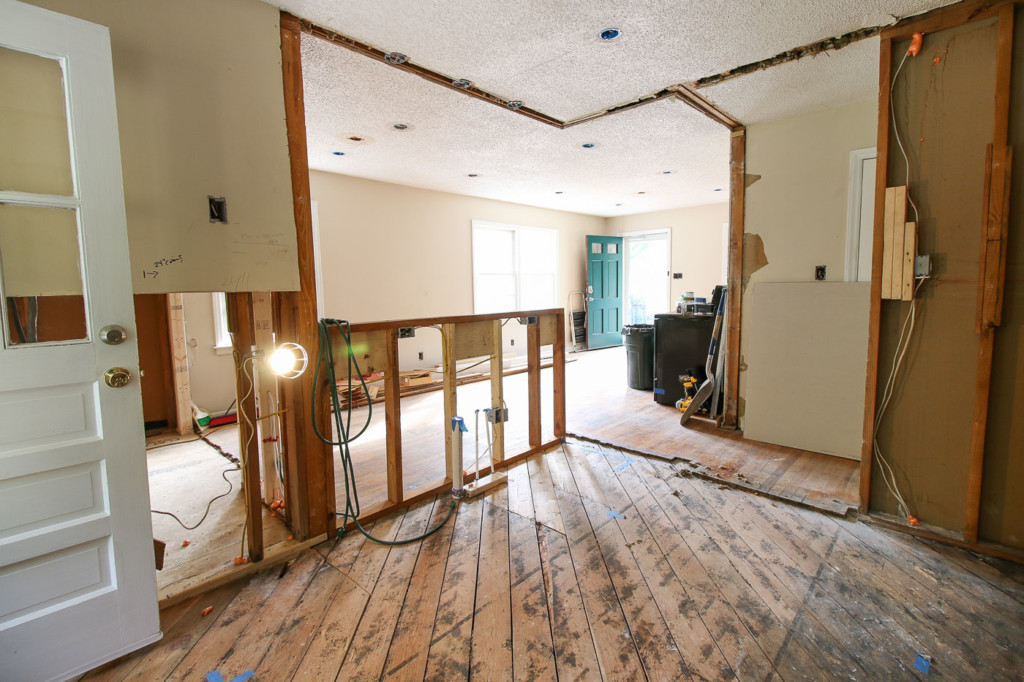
(610,34)
(618,204)
(395,58)
(719,189)
(558,192)
(667,172)
(356,138)
(472,175)
(514,104)
(401,126)
(462,83)
(641,192)
(338,153)
(588,145)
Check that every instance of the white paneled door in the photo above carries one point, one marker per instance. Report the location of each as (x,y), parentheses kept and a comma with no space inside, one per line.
(77,583)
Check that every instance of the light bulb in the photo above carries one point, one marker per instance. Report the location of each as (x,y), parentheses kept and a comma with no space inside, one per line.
(282,361)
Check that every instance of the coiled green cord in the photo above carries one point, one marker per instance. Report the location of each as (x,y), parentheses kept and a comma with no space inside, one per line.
(326,358)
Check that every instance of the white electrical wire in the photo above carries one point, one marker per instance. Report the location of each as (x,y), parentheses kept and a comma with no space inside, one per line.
(906,331)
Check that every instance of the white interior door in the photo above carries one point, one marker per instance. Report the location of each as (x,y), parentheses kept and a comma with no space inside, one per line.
(77,583)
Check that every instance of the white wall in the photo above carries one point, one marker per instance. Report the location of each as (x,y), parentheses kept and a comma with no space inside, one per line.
(798,206)
(211,376)
(395,252)
(200,111)
(696,234)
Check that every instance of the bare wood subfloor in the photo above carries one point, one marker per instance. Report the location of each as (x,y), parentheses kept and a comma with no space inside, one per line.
(183,478)
(597,564)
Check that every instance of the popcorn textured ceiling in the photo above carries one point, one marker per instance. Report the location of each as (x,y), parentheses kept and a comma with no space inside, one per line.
(549,56)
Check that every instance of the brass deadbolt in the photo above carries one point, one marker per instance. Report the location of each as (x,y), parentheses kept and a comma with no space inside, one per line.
(117,377)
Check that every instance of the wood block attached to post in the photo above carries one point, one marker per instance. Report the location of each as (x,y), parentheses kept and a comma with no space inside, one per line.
(893,241)
(909,253)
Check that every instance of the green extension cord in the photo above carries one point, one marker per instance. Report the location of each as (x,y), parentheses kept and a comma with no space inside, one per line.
(326,357)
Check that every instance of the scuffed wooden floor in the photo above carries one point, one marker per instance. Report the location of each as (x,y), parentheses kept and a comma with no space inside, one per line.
(596,565)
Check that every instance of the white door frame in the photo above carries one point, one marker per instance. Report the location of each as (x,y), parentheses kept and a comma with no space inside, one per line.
(77,575)
(854,203)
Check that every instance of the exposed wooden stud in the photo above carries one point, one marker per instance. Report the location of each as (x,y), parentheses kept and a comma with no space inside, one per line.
(448,335)
(497,391)
(309,465)
(179,364)
(393,417)
(243,338)
(995,227)
(533,382)
(909,252)
(689,95)
(558,373)
(944,17)
(875,313)
(266,386)
(737,197)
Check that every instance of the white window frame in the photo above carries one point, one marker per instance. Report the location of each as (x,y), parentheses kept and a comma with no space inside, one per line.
(645,235)
(516,230)
(222,336)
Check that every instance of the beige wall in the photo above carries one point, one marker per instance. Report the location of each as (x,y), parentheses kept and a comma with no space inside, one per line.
(798,206)
(392,252)
(211,375)
(696,243)
(200,112)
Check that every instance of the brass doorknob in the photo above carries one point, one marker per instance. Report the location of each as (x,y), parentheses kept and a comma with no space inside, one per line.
(117,377)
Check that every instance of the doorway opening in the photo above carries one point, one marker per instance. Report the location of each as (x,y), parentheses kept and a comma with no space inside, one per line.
(647,263)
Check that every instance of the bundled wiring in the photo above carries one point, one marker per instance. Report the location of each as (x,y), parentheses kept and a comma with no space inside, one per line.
(907,329)
(343,423)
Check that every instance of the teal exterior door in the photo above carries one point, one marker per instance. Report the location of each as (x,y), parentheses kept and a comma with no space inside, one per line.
(604,291)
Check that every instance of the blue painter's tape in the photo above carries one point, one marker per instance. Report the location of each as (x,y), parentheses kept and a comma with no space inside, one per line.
(215,676)
(659,391)
(612,514)
(922,663)
(622,466)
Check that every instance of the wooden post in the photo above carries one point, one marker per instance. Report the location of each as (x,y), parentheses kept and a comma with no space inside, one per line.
(558,370)
(309,463)
(450,396)
(393,417)
(737,198)
(240,322)
(875,309)
(179,363)
(533,382)
(993,269)
(497,392)
(267,398)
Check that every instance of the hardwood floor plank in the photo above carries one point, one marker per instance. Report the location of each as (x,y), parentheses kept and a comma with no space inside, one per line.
(561,476)
(574,644)
(491,648)
(833,607)
(520,494)
(369,649)
(544,503)
(616,650)
(453,627)
(787,655)
(700,652)
(331,640)
(533,656)
(231,625)
(407,655)
(732,637)
(1005,577)
(292,580)
(871,576)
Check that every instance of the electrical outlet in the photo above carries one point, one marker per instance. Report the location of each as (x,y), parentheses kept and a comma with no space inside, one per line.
(421,355)
(677,275)
(497,415)
(218,209)
(406,332)
(529,319)
(923,265)
(819,273)
(511,342)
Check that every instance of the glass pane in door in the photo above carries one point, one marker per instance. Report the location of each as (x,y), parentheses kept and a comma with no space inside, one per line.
(35,153)
(40,275)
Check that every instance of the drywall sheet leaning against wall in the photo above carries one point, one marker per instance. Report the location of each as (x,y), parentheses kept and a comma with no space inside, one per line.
(943,103)
(200,112)
(1002,494)
(806,365)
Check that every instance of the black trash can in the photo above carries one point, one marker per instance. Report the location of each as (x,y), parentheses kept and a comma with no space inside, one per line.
(639,342)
